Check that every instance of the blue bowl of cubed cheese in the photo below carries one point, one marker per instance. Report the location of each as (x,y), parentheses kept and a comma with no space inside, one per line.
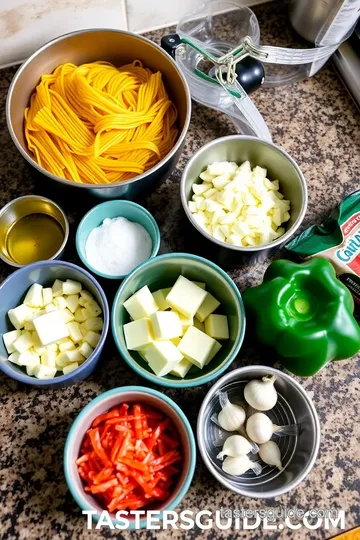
(178,320)
(54,319)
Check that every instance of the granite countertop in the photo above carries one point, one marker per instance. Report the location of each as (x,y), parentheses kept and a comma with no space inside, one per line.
(317,123)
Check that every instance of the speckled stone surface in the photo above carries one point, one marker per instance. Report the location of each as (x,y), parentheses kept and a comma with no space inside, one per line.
(316,122)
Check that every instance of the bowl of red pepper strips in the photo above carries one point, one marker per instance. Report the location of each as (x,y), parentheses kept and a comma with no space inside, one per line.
(131,448)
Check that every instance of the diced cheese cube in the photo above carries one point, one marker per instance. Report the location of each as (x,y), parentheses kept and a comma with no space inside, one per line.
(57,288)
(74,331)
(14,358)
(209,305)
(50,327)
(9,339)
(29,326)
(72,302)
(181,369)
(23,342)
(34,297)
(86,295)
(196,346)
(50,307)
(19,315)
(67,315)
(160,298)
(95,324)
(86,314)
(185,297)
(47,296)
(48,358)
(70,367)
(44,372)
(217,326)
(137,334)
(141,304)
(71,287)
(60,302)
(162,357)
(66,345)
(165,325)
(86,350)
(79,316)
(74,356)
(199,325)
(93,308)
(216,348)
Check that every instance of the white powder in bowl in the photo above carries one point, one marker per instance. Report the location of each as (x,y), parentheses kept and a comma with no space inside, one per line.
(117,246)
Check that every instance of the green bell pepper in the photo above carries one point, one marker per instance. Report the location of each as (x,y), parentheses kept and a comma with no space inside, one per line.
(305,313)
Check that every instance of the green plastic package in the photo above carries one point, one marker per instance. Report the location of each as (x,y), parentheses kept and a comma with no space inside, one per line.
(337,239)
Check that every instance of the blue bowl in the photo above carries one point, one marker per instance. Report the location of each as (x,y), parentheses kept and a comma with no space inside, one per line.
(112,209)
(12,293)
(162,272)
(103,403)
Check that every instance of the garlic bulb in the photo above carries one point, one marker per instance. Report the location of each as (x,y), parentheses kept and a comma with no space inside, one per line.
(231,417)
(235,446)
(261,395)
(240,465)
(270,453)
(259,428)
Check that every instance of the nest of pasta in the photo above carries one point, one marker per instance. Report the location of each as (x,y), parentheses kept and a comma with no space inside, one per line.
(100,124)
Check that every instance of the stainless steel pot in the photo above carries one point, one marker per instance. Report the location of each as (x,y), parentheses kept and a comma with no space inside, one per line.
(298,453)
(279,165)
(119,48)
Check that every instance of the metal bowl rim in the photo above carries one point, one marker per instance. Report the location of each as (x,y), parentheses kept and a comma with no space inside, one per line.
(64,181)
(66,231)
(278,241)
(246,370)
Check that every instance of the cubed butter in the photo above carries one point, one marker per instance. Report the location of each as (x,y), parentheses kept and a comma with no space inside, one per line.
(185,297)
(196,346)
(185,322)
(207,307)
(92,338)
(74,331)
(217,326)
(9,338)
(137,334)
(181,369)
(162,357)
(47,295)
(199,325)
(19,315)
(160,298)
(141,304)
(50,327)
(34,296)
(24,342)
(216,348)
(71,287)
(166,325)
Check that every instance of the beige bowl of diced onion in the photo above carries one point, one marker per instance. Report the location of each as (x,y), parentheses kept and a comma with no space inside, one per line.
(244,196)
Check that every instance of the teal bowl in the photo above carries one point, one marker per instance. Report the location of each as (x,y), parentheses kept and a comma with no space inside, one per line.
(101,404)
(162,272)
(112,209)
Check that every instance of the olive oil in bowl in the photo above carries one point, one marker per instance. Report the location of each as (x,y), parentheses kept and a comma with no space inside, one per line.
(35,237)
(32,228)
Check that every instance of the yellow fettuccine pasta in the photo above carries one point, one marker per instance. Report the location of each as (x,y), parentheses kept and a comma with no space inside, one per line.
(99,124)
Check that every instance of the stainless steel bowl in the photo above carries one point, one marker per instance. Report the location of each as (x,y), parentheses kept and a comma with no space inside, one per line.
(280,166)
(24,206)
(119,48)
(298,453)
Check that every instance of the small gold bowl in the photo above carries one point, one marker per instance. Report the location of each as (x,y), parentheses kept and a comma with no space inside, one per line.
(32,228)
